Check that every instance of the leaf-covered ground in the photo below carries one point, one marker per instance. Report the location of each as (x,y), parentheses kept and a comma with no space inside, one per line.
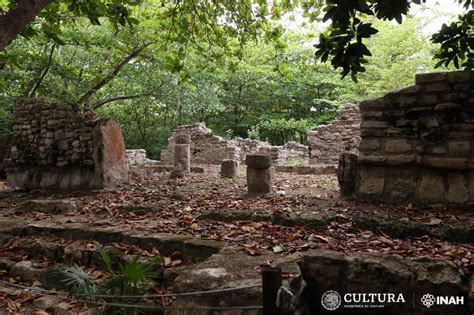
(160,204)
(305,212)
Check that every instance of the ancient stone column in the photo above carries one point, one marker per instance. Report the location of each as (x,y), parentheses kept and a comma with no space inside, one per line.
(347,173)
(259,174)
(182,155)
(229,168)
(111,166)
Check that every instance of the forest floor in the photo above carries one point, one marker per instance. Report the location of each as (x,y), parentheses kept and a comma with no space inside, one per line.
(205,221)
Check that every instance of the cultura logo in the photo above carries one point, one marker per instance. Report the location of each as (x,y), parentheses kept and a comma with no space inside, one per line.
(331,300)
(428,300)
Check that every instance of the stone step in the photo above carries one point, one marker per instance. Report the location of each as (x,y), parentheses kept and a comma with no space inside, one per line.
(83,252)
(43,256)
(52,206)
(319,220)
(165,243)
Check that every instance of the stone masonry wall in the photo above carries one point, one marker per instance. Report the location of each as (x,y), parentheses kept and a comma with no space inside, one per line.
(57,147)
(207,148)
(418,143)
(137,157)
(327,142)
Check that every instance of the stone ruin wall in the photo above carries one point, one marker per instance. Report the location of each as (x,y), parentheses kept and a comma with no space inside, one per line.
(137,157)
(207,148)
(57,147)
(327,142)
(418,143)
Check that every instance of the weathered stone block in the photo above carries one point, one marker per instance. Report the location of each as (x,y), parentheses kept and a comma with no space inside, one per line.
(347,173)
(446,163)
(437,88)
(459,148)
(431,187)
(109,154)
(369,144)
(413,89)
(394,114)
(446,107)
(59,135)
(454,97)
(405,101)
(368,124)
(423,149)
(375,104)
(422,78)
(458,191)
(458,76)
(417,112)
(462,87)
(397,146)
(372,114)
(400,183)
(229,168)
(406,123)
(429,121)
(52,206)
(401,159)
(259,181)
(182,158)
(371,180)
(182,139)
(258,161)
(470,183)
(371,159)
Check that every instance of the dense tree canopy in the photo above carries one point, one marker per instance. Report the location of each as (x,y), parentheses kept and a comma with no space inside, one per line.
(210,20)
(228,64)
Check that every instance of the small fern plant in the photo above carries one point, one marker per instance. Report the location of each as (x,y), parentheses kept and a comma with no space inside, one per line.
(132,277)
(80,282)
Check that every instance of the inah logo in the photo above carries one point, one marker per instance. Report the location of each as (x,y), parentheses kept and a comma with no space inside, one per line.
(428,300)
(331,300)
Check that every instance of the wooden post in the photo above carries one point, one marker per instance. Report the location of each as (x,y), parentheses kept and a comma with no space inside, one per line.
(271,283)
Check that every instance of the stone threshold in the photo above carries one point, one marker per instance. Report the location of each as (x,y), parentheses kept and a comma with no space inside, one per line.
(397,228)
(165,243)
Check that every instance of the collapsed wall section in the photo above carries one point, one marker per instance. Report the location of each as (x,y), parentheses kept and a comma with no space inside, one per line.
(207,148)
(418,143)
(57,147)
(327,142)
(138,157)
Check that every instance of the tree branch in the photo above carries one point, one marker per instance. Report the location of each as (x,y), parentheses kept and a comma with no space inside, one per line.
(134,53)
(119,98)
(15,20)
(43,73)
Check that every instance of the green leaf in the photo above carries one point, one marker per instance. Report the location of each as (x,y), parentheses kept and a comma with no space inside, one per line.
(105,257)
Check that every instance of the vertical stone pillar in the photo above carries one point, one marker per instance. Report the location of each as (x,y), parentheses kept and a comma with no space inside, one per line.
(347,173)
(182,155)
(110,161)
(259,174)
(229,168)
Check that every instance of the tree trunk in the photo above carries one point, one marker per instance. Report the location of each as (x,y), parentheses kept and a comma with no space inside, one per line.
(15,20)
